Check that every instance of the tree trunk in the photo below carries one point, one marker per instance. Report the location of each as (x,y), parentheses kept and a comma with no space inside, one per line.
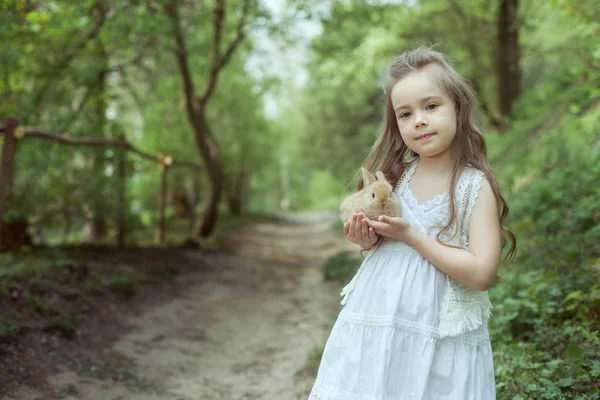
(508,55)
(9,149)
(209,151)
(195,107)
(159,233)
(195,197)
(122,199)
(238,185)
(235,192)
(67,222)
(99,226)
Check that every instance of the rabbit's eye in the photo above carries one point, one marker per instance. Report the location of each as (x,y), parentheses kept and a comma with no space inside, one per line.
(373,195)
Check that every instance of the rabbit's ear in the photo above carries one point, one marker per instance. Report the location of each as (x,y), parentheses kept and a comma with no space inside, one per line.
(380,176)
(368,177)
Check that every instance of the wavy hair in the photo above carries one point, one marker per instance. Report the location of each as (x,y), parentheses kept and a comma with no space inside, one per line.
(392,156)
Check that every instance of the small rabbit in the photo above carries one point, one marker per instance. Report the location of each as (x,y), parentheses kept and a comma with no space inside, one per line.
(376,198)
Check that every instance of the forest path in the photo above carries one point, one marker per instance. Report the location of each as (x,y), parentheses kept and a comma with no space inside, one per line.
(242,327)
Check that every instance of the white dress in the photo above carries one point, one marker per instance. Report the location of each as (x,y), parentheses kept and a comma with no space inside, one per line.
(386,342)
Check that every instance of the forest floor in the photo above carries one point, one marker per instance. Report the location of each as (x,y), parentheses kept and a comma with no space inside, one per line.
(239,323)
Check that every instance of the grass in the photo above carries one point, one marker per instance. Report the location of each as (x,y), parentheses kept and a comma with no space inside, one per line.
(341,267)
(122,286)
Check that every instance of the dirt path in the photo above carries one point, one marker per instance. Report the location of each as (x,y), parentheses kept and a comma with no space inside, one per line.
(243,328)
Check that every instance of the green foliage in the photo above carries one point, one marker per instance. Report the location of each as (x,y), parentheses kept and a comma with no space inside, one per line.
(63,323)
(341,266)
(122,286)
(84,79)
(95,287)
(546,325)
(8,325)
(34,302)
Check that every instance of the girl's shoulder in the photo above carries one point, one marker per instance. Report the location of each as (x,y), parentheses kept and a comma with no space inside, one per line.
(469,183)
(473,174)
(473,169)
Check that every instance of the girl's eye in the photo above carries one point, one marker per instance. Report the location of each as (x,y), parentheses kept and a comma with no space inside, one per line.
(431,106)
(404,115)
(373,195)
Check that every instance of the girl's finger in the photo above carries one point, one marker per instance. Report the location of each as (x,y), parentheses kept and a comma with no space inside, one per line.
(352,227)
(364,231)
(357,227)
(346,227)
(372,234)
(376,225)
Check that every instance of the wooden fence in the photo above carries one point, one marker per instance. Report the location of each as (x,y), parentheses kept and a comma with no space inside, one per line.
(13,132)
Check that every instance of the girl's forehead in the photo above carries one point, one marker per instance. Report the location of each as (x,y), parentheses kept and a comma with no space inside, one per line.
(419,84)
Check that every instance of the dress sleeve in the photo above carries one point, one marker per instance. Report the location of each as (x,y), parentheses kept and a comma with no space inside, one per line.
(464,308)
(469,198)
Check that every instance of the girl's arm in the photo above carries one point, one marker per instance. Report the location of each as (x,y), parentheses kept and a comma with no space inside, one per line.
(475,268)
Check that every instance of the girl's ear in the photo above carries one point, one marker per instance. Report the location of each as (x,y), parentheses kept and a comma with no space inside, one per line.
(368,177)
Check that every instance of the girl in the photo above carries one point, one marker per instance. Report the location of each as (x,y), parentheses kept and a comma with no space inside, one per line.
(414,322)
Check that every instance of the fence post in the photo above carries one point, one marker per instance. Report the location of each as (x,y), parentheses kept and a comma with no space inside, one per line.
(9,148)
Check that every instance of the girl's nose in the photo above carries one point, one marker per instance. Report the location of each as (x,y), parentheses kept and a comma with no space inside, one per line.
(420,122)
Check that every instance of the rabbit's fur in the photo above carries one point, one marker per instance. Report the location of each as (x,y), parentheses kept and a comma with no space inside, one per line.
(376,198)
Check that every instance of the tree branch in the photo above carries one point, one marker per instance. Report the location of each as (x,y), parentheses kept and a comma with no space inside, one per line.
(172,11)
(96,142)
(240,34)
(218,17)
(220,60)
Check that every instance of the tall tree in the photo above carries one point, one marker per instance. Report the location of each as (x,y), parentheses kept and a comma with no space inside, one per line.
(508,55)
(98,225)
(196,105)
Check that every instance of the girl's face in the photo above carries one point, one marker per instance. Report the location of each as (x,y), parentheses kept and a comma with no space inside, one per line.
(426,116)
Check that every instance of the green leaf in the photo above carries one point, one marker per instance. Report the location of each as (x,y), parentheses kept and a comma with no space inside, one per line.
(595,371)
(573,352)
(566,382)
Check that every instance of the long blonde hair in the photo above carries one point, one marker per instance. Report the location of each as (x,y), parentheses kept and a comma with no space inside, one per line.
(392,156)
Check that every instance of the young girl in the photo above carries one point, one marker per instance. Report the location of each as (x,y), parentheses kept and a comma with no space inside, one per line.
(414,322)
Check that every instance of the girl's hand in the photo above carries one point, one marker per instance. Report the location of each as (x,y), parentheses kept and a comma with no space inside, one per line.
(358,231)
(393,227)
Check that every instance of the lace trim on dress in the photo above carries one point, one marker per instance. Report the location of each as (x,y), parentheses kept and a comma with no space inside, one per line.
(405,177)
(473,190)
(410,326)
(427,205)
(465,308)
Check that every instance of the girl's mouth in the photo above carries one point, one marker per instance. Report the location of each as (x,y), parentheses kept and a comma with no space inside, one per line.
(425,136)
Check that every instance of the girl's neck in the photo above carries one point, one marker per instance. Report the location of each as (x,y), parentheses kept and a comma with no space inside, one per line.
(438,165)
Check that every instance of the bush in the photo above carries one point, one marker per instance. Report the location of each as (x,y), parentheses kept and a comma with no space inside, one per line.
(122,286)
(546,325)
(341,267)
